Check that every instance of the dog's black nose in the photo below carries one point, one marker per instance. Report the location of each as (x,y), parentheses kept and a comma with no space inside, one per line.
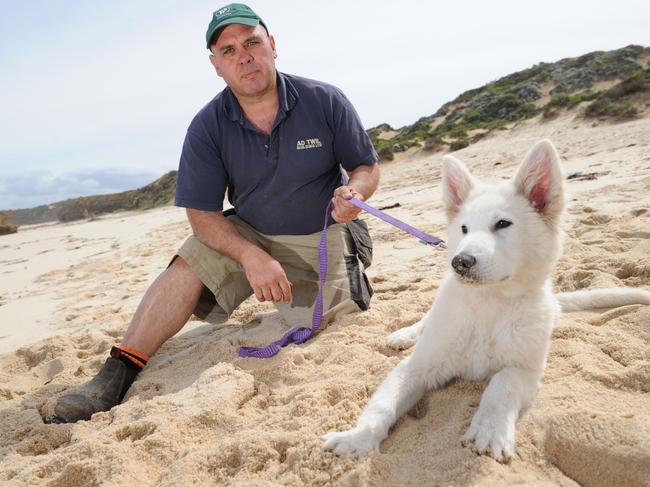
(462,263)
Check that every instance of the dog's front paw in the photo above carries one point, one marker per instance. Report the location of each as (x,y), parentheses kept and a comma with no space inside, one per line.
(404,337)
(495,436)
(357,440)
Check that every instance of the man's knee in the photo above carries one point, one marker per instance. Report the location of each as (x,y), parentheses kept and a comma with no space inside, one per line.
(182,271)
(179,263)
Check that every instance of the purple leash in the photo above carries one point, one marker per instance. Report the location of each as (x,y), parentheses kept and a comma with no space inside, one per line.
(425,238)
(300,334)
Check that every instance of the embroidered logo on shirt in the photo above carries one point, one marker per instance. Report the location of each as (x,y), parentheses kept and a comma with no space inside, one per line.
(308,144)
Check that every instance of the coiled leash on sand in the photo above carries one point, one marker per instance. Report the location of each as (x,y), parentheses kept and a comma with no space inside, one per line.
(300,334)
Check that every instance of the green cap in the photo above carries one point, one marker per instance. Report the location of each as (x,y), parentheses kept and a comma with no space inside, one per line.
(234,13)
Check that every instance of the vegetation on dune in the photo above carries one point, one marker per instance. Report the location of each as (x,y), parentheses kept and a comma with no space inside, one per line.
(159,193)
(622,101)
(31,216)
(518,96)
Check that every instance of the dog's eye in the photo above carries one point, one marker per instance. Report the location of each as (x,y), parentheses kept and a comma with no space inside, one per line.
(463,229)
(502,224)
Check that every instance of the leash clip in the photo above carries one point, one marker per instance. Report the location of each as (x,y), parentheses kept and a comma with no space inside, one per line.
(441,245)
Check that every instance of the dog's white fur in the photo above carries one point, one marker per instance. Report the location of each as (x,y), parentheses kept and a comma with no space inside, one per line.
(494,319)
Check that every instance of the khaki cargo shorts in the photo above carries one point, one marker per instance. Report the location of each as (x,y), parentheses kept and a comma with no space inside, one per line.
(225,285)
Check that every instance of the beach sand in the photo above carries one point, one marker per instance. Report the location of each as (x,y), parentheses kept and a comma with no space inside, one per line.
(199,415)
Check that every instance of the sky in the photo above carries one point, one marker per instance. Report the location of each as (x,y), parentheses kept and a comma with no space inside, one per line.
(96,96)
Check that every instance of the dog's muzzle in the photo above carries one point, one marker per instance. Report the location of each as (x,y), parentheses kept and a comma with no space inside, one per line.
(463,263)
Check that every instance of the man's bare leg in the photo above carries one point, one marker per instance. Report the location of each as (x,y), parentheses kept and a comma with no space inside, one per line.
(163,311)
(165,308)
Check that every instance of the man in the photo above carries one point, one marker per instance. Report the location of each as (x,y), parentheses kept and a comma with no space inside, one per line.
(276,144)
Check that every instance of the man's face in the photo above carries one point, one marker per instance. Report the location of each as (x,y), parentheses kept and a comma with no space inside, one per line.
(245,58)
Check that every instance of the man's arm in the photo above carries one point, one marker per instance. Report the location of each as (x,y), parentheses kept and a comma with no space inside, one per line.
(264,273)
(362,184)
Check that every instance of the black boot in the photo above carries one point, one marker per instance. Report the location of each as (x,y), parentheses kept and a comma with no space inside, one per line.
(105,390)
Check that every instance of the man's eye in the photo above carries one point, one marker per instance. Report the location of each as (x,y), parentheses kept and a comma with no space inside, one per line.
(228,51)
(252,43)
(502,224)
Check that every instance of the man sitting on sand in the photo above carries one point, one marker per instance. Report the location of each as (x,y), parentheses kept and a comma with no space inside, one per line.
(277,144)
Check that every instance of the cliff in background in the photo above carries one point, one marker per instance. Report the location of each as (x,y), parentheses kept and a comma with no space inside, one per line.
(159,193)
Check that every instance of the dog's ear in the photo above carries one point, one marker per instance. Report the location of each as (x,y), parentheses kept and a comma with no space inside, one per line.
(539,179)
(457,182)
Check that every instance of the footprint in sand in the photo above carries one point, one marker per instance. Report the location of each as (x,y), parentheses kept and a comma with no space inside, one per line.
(634,273)
(616,366)
(600,450)
(633,234)
(596,219)
(34,438)
(579,279)
(608,316)
(136,431)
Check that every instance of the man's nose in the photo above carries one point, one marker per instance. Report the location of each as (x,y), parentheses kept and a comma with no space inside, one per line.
(462,263)
(245,57)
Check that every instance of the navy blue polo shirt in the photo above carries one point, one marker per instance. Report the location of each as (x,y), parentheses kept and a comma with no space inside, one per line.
(279,184)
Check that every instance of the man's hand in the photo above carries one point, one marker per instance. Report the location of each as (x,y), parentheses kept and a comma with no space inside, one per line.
(344,211)
(362,184)
(264,273)
(266,276)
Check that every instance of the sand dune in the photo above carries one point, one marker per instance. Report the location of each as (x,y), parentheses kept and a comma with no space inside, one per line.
(199,415)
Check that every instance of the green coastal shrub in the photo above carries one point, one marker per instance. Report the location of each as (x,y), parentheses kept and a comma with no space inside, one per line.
(5,226)
(433,144)
(458,144)
(386,154)
(618,101)
(605,107)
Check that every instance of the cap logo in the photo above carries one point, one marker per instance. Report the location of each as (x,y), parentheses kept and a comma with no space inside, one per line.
(235,13)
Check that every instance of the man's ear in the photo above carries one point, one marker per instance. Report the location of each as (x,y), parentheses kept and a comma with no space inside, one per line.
(539,179)
(457,182)
(272,42)
(215,64)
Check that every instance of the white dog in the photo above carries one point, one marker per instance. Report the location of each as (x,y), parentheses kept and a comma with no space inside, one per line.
(495,310)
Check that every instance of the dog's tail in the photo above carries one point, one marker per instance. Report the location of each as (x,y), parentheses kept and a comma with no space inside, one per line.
(602,298)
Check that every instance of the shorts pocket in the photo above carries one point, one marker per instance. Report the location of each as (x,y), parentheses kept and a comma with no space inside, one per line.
(362,242)
(360,289)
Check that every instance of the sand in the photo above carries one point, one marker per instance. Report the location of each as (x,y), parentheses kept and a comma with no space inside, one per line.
(199,415)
